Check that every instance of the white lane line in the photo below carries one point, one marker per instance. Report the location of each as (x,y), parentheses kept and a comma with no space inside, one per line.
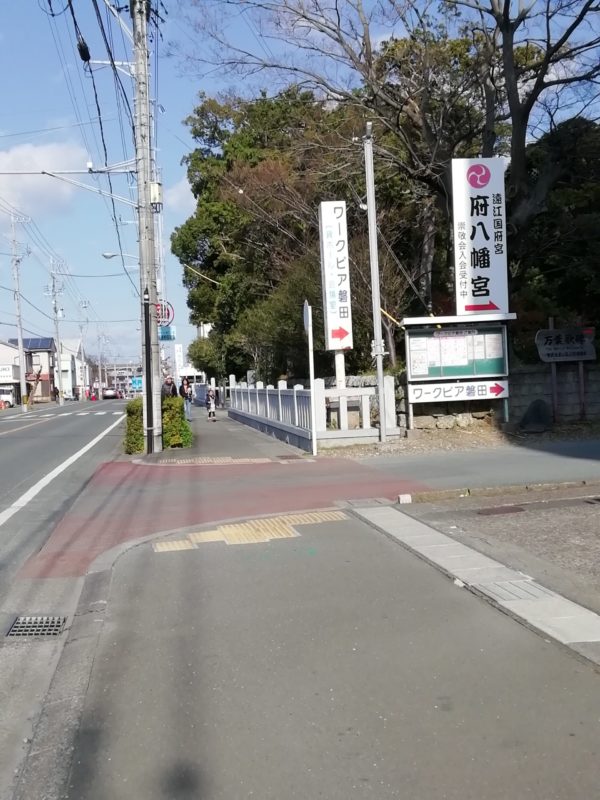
(22,427)
(99,413)
(83,413)
(28,496)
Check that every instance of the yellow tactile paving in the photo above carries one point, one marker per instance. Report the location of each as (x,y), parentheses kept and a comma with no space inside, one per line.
(177,544)
(201,537)
(255,531)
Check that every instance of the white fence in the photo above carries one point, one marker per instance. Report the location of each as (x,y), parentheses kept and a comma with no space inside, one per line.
(344,415)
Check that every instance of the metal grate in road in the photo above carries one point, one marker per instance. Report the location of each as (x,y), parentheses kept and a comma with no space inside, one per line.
(496,510)
(36,627)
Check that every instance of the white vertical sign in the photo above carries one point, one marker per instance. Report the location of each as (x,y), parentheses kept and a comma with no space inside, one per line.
(335,272)
(480,264)
(178,358)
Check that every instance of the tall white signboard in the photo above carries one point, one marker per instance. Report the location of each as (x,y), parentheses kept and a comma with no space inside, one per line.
(335,271)
(178,358)
(480,264)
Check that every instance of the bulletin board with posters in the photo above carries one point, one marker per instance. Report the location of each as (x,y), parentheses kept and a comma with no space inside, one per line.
(476,351)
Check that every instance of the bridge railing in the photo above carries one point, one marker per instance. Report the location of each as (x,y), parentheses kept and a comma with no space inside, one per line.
(344,415)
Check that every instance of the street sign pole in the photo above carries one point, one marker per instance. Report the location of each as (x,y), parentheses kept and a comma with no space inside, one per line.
(148,376)
(375,292)
(311,371)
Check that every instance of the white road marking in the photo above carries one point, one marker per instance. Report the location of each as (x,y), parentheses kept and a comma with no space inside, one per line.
(83,413)
(28,496)
(99,413)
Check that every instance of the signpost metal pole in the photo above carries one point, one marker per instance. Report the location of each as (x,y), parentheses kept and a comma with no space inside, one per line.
(553,378)
(148,376)
(374,259)
(582,410)
(311,371)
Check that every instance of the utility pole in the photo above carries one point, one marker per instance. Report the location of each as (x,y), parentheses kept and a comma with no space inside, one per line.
(84,368)
(56,290)
(378,348)
(16,263)
(140,11)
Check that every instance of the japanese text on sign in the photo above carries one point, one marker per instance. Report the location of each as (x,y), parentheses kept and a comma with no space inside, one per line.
(569,344)
(479,236)
(452,392)
(335,272)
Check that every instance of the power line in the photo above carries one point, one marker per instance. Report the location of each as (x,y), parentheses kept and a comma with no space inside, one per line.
(111,59)
(48,130)
(84,54)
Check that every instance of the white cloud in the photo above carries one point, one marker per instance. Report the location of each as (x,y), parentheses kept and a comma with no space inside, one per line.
(180,198)
(39,194)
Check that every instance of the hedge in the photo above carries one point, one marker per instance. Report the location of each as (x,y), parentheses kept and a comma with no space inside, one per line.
(176,431)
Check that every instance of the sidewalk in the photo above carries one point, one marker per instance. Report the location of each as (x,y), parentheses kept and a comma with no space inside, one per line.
(225,439)
(242,660)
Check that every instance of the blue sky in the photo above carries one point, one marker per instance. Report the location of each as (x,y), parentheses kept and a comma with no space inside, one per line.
(49,121)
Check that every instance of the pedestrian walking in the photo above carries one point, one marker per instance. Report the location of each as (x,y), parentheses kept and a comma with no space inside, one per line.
(211,405)
(185,391)
(168,388)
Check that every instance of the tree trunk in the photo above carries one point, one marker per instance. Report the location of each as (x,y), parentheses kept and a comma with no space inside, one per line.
(428,222)
(388,330)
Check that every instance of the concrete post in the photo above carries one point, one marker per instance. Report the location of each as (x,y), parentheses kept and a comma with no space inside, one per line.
(320,410)
(390,402)
(280,385)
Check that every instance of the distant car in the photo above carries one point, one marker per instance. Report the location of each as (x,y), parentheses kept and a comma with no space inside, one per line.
(7,399)
(109,394)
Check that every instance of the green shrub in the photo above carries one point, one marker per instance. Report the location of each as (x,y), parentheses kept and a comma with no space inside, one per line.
(134,435)
(176,431)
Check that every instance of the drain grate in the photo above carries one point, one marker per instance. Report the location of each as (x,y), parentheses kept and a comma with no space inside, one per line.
(488,512)
(37,627)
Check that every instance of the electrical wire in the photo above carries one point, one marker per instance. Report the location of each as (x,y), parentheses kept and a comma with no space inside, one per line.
(85,57)
(112,60)
(48,130)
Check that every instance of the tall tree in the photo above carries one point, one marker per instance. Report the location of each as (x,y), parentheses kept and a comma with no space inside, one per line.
(447,79)
(252,248)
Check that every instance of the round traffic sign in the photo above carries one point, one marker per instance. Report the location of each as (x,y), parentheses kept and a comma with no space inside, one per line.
(165,314)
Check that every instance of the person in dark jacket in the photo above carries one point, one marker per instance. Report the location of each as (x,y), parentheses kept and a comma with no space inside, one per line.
(168,388)
(185,391)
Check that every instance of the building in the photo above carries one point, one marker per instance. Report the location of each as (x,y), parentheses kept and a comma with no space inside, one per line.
(10,373)
(40,355)
(75,370)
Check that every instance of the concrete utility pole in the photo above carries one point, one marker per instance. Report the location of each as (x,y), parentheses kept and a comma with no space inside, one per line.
(16,263)
(58,360)
(140,10)
(378,348)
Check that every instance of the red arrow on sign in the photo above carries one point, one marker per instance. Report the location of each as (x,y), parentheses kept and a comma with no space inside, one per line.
(339,333)
(496,389)
(483,307)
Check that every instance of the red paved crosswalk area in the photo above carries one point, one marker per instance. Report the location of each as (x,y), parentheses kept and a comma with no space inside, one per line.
(126,501)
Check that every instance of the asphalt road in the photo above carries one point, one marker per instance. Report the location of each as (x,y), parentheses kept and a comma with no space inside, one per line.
(32,448)
(331,665)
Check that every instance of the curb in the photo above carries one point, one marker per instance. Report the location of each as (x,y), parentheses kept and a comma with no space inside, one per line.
(493,491)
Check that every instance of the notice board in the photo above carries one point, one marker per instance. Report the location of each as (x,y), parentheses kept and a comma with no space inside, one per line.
(477,351)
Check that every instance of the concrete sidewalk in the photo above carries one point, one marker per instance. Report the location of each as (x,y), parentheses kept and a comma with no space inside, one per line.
(225,438)
(213,666)
(328,663)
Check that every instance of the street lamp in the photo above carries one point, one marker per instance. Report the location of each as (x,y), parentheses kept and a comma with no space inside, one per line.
(118,255)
